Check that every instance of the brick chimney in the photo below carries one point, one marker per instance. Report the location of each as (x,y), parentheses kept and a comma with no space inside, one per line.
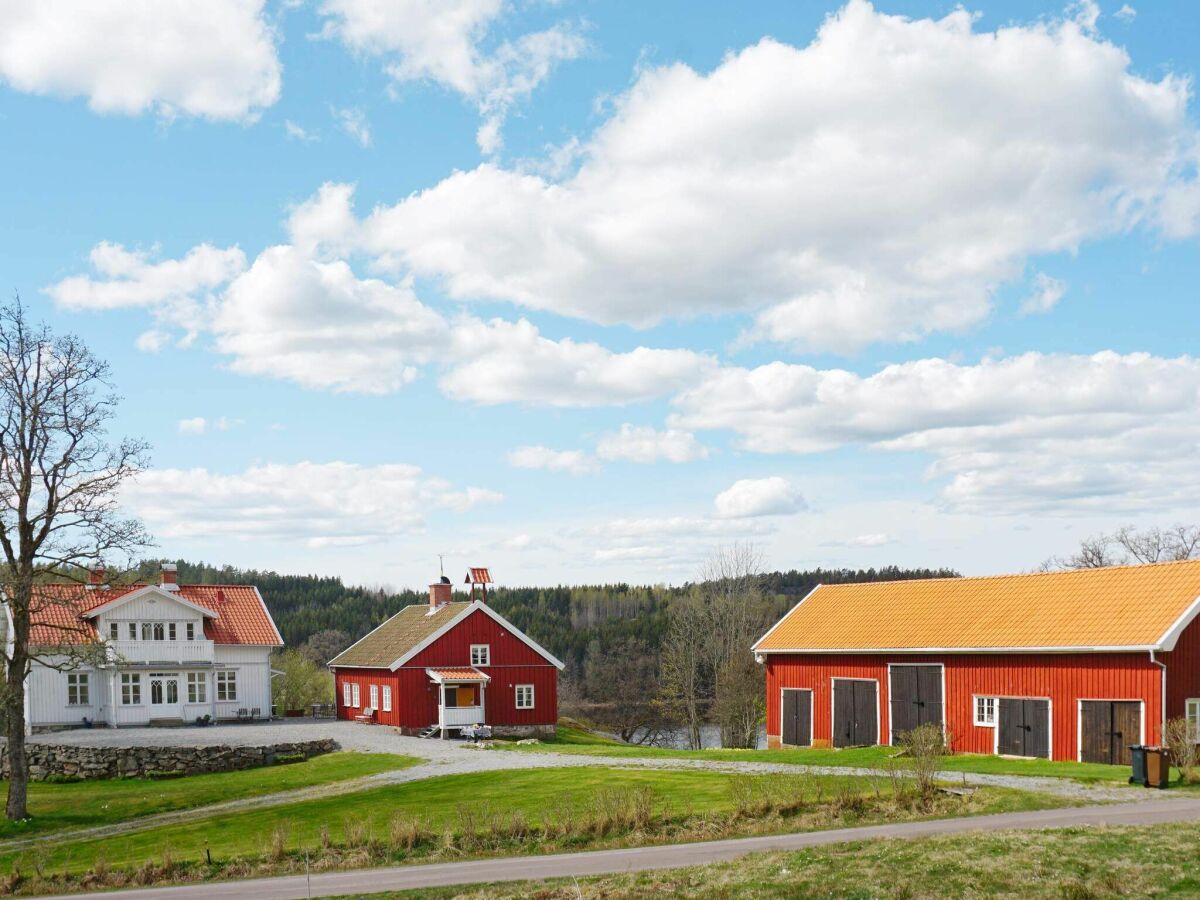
(440,592)
(168,580)
(96,576)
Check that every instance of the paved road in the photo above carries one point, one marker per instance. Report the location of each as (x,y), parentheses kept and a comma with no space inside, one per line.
(1153,811)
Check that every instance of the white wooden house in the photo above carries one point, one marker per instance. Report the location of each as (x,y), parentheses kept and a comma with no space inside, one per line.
(167,653)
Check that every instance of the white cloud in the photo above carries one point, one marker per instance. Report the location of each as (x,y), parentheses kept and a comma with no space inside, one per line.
(197,425)
(354,122)
(1036,431)
(442,41)
(510,362)
(1047,292)
(324,224)
(129,278)
(752,497)
(863,540)
(318,325)
(574,462)
(1126,13)
(213,60)
(878,184)
(153,340)
(319,504)
(641,444)
(296,132)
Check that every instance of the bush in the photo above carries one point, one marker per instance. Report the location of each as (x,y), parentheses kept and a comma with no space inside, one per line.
(58,778)
(925,745)
(1181,739)
(283,759)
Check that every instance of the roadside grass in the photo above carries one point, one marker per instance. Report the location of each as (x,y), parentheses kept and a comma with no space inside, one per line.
(579,742)
(490,813)
(1068,864)
(85,804)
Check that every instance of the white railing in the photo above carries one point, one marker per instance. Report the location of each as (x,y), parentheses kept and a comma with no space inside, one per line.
(162,651)
(457,716)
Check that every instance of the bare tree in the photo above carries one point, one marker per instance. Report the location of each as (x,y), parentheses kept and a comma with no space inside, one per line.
(1128,545)
(621,684)
(323,646)
(59,478)
(684,696)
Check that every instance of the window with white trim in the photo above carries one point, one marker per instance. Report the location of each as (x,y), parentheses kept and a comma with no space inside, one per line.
(374,696)
(78,689)
(524,696)
(191,631)
(481,654)
(171,632)
(345,693)
(357,695)
(985,711)
(114,631)
(197,687)
(147,631)
(131,689)
(133,631)
(1192,711)
(160,631)
(387,698)
(227,686)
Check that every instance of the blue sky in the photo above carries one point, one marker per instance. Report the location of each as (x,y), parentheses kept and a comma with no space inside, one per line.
(583,290)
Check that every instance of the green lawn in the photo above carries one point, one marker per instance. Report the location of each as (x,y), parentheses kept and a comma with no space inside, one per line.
(580,742)
(89,803)
(1077,864)
(541,795)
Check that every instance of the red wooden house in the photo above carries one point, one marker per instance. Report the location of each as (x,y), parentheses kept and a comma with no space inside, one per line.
(1074,665)
(449,665)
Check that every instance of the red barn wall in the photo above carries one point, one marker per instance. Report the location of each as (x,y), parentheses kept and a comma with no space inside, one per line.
(1183,670)
(1063,678)
(415,697)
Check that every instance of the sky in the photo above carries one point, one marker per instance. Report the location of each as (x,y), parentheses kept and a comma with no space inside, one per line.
(582,291)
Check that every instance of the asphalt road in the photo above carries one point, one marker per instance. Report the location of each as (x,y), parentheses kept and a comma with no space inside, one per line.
(1152,811)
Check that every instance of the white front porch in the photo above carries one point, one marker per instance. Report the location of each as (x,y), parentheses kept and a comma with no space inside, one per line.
(459,716)
(462,697)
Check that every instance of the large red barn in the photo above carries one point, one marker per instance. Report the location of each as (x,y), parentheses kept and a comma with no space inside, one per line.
(1074,665)
(449,665)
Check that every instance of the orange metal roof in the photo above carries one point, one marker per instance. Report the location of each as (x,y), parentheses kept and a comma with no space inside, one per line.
(1119,607)
(241,616)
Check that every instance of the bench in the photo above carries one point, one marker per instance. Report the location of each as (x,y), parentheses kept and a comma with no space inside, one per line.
(367,715)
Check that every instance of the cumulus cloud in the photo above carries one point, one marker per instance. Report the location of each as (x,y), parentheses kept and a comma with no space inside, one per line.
(320,504)
(574,462)
(642,444)
(1126,13)
(353,121)
(213,60)
(1032,431)
(877,184)
(1047,292)
(511,362)
(197,425)
(751,497)
(442,41)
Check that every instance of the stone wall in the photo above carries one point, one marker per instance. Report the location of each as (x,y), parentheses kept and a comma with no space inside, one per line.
(85,762)
(524,731)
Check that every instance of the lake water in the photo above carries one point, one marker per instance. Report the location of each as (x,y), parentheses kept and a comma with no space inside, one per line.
(710,735)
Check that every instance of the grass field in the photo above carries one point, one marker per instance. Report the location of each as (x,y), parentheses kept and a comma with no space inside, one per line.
(1076,864)
(91,803)
(362,820)
(577,741)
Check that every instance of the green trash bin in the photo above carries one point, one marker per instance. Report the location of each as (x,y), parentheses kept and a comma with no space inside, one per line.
(1138,753)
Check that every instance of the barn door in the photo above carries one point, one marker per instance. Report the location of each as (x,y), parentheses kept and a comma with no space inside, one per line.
(1108,729)
(915,697)
(797,717)
(1023,727)
(855,704)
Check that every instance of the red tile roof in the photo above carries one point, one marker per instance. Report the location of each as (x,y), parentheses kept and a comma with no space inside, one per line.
(241,615)
(459,674)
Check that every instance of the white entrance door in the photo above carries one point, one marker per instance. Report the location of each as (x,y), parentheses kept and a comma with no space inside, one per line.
(164,696)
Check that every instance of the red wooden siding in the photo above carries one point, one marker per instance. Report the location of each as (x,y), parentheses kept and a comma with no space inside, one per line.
(1064,679)
(415,696)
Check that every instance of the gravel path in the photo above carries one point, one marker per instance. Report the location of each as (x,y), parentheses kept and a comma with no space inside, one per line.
(454,758)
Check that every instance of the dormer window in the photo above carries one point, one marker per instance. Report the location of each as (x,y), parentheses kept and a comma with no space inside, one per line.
(481,654)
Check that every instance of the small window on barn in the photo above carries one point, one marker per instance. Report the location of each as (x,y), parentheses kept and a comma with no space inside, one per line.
(524,696)
(387,698)
(346,693)
(1192,711)
(985,711)
(481,654)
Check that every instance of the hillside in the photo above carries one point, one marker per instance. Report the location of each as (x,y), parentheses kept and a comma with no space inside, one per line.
(564,619)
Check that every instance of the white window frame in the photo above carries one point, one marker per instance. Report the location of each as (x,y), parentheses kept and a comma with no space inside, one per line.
(190,630)
(160,631)
(133,631)
(197,687)
(171,631)
(525,704)
(374,694)
(79,686)
(387,698)
(356,695)
(979,704)
(346,694)
(147,631)
(1191,712)
(227,685)
(481,654)
(114,631)
(131,689)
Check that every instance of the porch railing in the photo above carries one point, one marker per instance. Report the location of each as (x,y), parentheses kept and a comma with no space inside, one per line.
(457,716)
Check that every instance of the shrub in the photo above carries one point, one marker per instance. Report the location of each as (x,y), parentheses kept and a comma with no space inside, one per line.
(925,745)
(1181,737)
(283,759)
(58,778)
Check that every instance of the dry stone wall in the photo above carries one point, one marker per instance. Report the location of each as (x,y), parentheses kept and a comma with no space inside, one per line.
(73,761)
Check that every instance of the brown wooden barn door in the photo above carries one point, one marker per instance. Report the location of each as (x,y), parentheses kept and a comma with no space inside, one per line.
(914,697)
(1109,728)
(855,707)
(797,717)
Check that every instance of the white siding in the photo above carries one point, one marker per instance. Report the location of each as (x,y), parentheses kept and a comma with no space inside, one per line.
(46,693)
(253,665)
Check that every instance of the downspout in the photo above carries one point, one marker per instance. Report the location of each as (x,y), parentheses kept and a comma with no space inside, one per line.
(1162,724)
